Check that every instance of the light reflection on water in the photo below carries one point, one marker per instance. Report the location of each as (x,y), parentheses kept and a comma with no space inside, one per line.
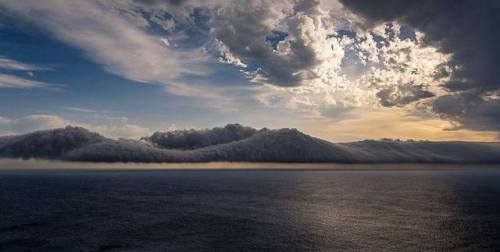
(250,210)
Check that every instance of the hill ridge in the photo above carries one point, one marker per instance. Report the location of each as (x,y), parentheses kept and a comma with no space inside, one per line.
(235,142)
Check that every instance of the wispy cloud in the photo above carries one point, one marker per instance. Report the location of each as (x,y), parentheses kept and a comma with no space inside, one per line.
(12,81)
(110,39)
(88,110)
(11,64)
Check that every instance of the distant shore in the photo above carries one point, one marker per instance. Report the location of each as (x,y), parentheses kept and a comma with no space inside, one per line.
(40,164)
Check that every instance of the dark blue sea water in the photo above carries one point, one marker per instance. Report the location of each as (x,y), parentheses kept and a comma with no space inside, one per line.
(250,210)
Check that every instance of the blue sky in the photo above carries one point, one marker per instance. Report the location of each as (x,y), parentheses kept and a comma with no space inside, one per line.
(129,68)
(84,91)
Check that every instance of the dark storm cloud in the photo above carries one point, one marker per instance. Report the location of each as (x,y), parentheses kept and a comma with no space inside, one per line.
(469,29)
(470,110)
(402,95)
(245,28)
(158,2)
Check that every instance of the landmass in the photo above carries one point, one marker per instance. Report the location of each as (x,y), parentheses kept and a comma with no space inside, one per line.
(236,143)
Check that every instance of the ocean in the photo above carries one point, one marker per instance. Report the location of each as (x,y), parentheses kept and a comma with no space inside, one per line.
(250,210)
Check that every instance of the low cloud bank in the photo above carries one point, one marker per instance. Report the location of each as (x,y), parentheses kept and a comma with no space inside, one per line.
(230,144)
(193,139)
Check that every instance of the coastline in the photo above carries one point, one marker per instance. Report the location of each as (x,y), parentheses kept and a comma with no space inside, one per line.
(42,164)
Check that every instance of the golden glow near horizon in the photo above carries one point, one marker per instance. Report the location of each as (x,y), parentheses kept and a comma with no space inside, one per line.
(391,124)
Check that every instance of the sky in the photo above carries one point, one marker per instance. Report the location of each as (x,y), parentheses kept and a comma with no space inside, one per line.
(342,70)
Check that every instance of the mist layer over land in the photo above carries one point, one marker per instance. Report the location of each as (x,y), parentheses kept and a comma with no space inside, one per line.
(236,143)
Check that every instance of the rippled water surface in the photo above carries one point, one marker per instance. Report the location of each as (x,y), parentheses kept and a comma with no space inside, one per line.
(250,210)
